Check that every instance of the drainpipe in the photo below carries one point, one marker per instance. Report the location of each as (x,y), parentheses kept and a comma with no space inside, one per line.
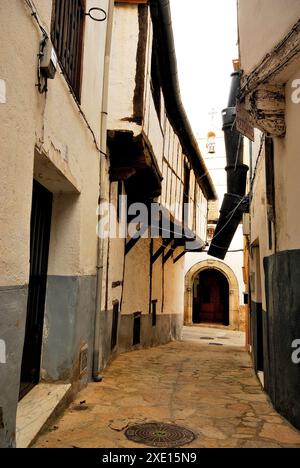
(102,181)
(235,203)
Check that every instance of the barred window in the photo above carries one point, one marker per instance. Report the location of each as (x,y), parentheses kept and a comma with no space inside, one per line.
(67,37)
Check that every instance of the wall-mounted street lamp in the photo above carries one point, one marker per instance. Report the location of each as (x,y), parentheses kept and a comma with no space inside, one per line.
(211,142)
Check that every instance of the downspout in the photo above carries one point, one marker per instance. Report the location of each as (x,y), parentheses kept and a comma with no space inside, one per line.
(235,203)
(97,377)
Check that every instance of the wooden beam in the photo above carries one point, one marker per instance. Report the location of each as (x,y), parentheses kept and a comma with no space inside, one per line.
(161,249)
(133,2)
(168,255)
(280,57)
(266,109)
(134,240)
(182,254)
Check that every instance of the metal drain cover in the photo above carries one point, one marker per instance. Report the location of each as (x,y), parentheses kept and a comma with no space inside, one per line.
(160,435)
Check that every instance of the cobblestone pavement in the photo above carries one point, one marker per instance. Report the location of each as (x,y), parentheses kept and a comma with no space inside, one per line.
(209,389)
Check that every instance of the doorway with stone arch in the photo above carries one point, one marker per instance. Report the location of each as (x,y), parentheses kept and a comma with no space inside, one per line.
(211,298)
(212,295)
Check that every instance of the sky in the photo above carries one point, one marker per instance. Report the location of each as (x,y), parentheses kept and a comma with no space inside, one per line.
(205,33)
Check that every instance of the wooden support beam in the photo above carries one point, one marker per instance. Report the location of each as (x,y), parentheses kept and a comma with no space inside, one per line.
(262,90)
(182,254)
(279,58)
(134,240)
(162,248)
(168,255)
(266,107)
(133,2)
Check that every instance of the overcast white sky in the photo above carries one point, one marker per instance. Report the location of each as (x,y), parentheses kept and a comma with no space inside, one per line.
(205,34)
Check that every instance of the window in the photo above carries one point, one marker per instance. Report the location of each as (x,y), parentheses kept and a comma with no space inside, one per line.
(155,81)
(195,209)
(119,200)
(67,38)
(137,318)
(115,324)
(270,188)
(154,313)
(186,193)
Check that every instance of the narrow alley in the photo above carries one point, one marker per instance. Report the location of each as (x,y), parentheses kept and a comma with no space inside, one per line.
(149,225)
(204,383)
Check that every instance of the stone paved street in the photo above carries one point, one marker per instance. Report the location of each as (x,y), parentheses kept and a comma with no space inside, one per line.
(208,388)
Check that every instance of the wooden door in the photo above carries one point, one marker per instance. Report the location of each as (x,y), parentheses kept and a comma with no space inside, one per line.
(213,299)
(39,251)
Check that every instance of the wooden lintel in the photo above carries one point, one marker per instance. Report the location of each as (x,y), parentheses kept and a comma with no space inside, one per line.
(277,60)
(133,2)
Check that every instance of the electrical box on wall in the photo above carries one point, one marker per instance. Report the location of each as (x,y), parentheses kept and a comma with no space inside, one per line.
(49,61)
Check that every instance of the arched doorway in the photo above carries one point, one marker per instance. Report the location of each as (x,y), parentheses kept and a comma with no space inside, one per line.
(211,298)
(234,298)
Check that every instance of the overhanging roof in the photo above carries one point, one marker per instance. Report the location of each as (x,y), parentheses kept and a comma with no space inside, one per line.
(163,32)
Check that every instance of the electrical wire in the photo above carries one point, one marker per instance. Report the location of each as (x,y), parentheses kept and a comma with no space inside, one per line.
(247,196)
(246,89)
(45,37)
(35,15)
(81,112)
(30,4)
(229,251)
(238,152)
(41,89)
(262,141)
(231,216)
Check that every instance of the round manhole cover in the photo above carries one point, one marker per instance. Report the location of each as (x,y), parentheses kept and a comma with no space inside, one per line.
(160,435)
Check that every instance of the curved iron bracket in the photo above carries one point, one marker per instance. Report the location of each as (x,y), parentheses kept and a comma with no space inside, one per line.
(92,13)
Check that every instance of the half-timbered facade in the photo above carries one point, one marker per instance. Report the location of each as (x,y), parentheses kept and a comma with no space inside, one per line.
(155,161)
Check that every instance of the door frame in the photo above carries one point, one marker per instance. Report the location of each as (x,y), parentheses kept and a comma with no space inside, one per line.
(234,292)
(215,289)
(40,232)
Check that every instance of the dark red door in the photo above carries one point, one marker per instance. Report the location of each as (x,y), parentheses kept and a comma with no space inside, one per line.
(212,304)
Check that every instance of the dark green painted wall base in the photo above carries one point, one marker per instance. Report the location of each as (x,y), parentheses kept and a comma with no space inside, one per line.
(168,328)
(281,328)
(13,306)
(106,331)
(256,317)
(69,325)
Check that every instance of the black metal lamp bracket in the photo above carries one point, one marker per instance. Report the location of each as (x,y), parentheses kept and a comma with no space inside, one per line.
(94,12)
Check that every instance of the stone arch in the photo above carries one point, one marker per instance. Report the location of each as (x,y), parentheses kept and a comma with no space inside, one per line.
(234,301)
